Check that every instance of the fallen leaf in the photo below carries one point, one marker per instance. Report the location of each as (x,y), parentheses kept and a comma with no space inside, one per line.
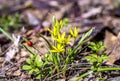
(112,44)
(15,73)
(109,39)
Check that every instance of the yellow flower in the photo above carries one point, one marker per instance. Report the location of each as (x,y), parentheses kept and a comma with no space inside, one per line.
(62,39)
(74,33)
(59,48)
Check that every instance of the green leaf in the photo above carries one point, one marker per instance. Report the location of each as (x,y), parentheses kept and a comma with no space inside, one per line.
(88,57)
(31,56)
(92,44)
(53,20)
(37,58)
(100,43)
(26,67)
(6,34)
(94,55)
(31,72)
(93,60)
(38,76)
(50,57)
(82,40)
(90,47)
(84,36)
(104,57)
(38,61)
(65,21)
(29,61)
(39,64)
(36,70)
(100,60)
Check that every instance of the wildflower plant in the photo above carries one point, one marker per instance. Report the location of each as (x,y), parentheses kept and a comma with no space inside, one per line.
(34,65)
(60,54)
(96,60)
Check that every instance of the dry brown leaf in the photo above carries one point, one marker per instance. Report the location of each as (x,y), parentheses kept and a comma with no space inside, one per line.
(109,39)
(15,73)
(113,47)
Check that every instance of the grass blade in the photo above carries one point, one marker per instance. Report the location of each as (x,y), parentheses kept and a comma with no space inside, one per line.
(6,34)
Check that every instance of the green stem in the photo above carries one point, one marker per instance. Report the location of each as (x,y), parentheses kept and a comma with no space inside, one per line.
(83,39)
(84,75)
(55,61)
(98,70)
(108,69)
(6,34)
(50,46)
(64,69)
(29,50)
(80,44)
(73,52)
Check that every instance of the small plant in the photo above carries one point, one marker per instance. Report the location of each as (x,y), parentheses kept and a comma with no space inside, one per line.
(9,23)
(96,59)
(60,55)
(34,66)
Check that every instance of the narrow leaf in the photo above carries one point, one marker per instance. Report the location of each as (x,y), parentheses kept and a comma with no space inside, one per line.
(26,67)
(6,34)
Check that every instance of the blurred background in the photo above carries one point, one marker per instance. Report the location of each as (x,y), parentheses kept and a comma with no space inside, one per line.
(14,14)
